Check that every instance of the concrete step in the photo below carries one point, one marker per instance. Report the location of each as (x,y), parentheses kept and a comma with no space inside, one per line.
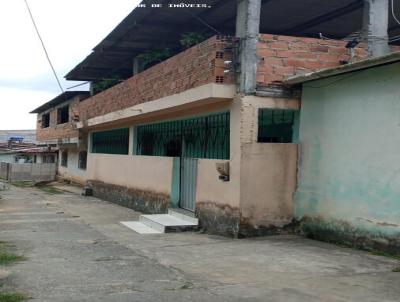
(140,227)
(167,223)
(183,214)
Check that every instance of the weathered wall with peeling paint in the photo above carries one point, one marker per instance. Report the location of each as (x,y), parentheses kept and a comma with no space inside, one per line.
(268,171)
(349,173)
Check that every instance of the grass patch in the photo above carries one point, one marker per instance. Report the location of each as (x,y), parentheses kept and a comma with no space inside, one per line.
(50,190)
(9,258)
(5,244)
(12,297)
(385,254)
(23,184)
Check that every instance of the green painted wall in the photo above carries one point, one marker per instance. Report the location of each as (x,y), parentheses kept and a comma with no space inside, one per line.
(349,171)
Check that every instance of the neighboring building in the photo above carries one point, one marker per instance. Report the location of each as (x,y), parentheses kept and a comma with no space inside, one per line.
(56,128)
(27,136)
(349,172)
(34,155)
(14,149)
(211,129)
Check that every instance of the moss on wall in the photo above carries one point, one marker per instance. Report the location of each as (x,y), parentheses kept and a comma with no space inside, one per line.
(342,232)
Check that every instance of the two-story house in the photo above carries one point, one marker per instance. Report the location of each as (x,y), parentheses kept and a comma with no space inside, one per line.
(56,128)
(200,124)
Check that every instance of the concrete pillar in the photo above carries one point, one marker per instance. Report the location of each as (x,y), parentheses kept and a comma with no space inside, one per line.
(132,140)
(137,66)
(247,31)
(375,27)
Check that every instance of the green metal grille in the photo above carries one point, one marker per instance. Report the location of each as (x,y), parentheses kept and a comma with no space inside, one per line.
(275,126)
(111,142)
(202,137)
(163,139)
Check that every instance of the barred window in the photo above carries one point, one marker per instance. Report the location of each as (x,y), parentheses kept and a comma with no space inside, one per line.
(275,126)
(202,137)
(111,142)
(64,159)
(48,159)
(82,163)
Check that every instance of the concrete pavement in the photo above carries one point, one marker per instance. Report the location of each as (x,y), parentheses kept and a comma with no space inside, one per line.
(78,251)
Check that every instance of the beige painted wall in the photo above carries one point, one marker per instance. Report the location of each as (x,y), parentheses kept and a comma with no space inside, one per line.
(268,171)
(140,172)
(210,188)
(268,183)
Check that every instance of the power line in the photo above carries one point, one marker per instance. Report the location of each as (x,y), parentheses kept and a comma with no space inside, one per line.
(394,14)
(44,47)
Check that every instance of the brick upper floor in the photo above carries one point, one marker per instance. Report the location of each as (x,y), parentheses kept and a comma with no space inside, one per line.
(279,57)
(205,63)
(284,56)
(199,65)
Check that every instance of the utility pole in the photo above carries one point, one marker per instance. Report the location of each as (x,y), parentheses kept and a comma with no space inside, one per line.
(375,27)
(247,31)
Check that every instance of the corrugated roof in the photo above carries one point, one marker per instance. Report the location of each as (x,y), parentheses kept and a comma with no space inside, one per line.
(66,96)
(149,28)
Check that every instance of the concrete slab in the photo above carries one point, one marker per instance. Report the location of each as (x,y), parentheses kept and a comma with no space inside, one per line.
(140,228)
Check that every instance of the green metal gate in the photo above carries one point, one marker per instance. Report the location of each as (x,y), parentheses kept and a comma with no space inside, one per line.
(188,183)
(190,139)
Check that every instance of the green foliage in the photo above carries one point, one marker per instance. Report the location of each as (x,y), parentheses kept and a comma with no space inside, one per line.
(8,258)
(192,38)
(155,56)
(23,184)
(105,84)
(12,297)
(50,190)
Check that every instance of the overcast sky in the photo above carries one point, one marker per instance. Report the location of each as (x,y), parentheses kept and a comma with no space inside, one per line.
(69,28)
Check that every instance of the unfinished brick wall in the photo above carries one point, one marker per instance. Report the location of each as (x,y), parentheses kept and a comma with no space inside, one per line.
(283,56)
(55,131)
(194,67)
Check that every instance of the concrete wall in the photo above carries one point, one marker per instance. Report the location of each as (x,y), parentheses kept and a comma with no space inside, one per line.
(349,180)
(28,172)
(139,172)
(72,172)
(268,183)
(267,173)
(4,170)
(7,158)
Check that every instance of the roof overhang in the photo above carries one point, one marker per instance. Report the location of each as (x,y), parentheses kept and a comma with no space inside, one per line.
(64,97)
(330,72)
(150,28)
